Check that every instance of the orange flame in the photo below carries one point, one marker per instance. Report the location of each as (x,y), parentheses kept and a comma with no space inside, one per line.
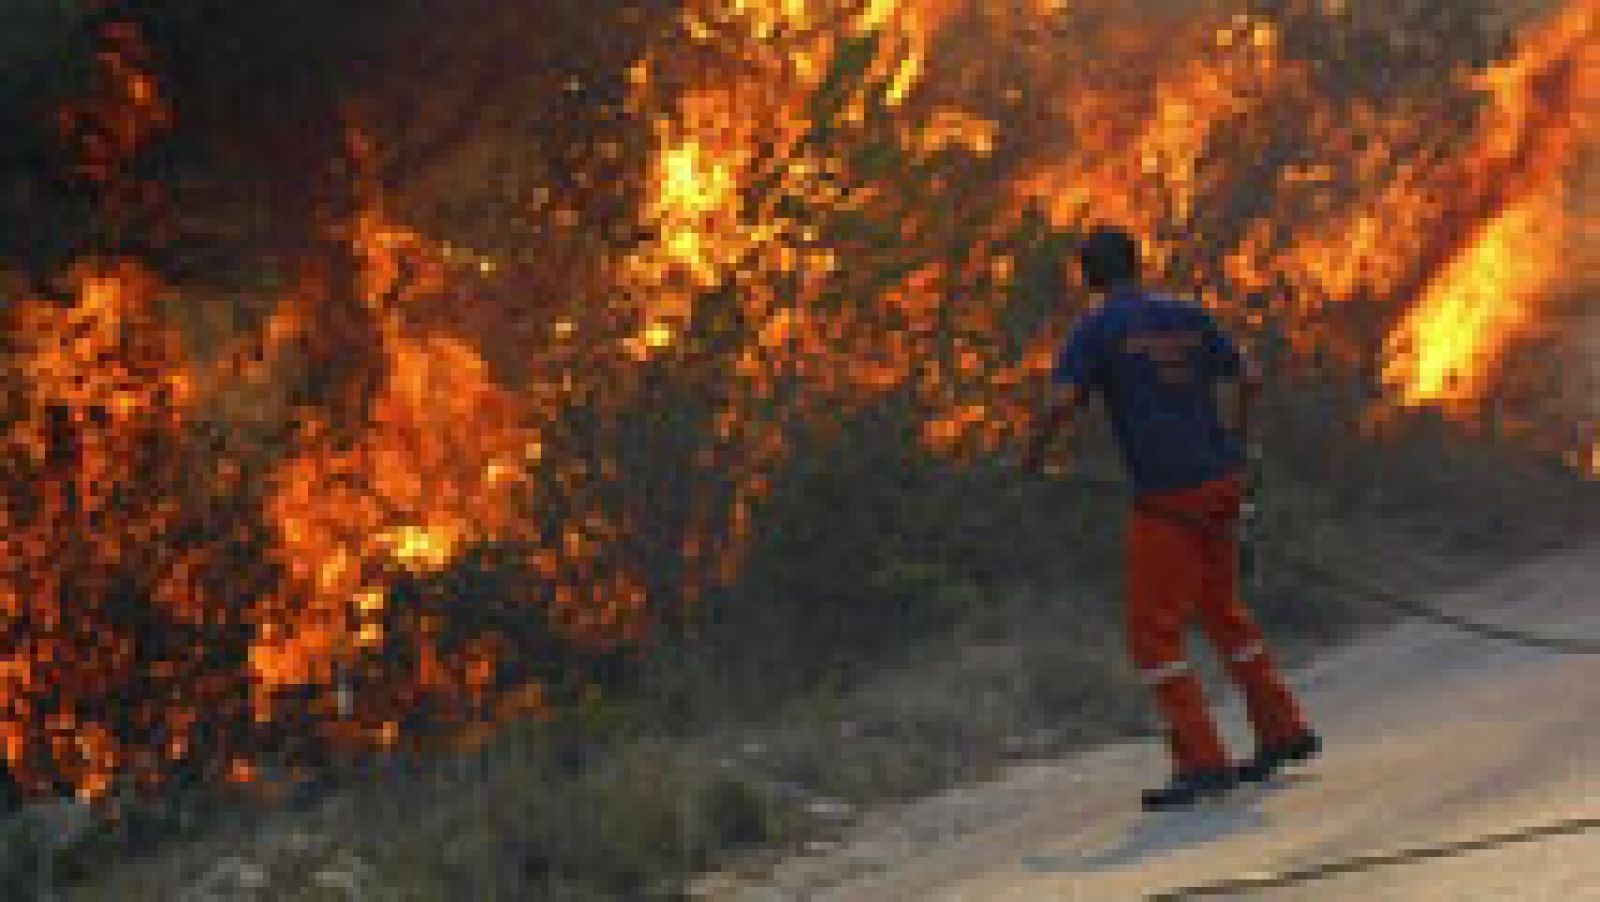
(1445,347)
(1542,113)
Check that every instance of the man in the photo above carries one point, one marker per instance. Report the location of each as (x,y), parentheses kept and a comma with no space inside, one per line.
(1178,393)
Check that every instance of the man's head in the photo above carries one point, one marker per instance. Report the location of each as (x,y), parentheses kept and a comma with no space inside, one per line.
(1108,257)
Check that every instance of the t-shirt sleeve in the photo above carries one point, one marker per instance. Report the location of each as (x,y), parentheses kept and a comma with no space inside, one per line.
(1080,362)
(1222,353)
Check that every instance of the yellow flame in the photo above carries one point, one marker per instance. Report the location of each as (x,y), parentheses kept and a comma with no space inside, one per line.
(420,548)
(1446,347)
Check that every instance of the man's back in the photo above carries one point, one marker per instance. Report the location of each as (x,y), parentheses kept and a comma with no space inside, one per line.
(1157,361)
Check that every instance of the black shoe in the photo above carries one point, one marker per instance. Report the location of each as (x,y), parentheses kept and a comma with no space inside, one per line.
(1186,789)
(1269,759)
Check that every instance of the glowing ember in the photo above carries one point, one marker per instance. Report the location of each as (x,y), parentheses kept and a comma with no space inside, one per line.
(108,129)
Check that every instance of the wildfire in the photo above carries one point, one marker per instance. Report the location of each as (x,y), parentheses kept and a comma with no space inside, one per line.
(98,424)
(1446,347)
(835,205)
(1541,115)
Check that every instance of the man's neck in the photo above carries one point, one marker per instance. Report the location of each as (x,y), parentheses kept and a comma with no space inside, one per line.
(1119,290)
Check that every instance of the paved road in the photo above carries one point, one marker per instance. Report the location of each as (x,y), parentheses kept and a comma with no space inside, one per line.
(1433,737)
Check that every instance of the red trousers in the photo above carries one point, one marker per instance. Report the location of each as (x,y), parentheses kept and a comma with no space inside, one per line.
(1181,569)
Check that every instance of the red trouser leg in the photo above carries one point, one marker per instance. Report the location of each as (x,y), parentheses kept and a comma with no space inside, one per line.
(1163,573)
(1274,713)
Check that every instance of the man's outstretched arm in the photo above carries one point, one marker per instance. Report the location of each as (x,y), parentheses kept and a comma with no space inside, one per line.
(1077,371)
(1067,400)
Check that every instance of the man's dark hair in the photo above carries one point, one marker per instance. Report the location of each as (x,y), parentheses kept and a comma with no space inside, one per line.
(1108,256)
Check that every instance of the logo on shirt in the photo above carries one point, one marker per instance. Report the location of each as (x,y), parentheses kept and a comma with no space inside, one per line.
(1171,352)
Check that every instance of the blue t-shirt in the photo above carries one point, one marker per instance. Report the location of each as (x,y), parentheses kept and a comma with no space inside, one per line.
(1156,361)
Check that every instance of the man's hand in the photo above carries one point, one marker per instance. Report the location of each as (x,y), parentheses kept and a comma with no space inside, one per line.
(1059,418)
(1055,469)
(1034,466)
